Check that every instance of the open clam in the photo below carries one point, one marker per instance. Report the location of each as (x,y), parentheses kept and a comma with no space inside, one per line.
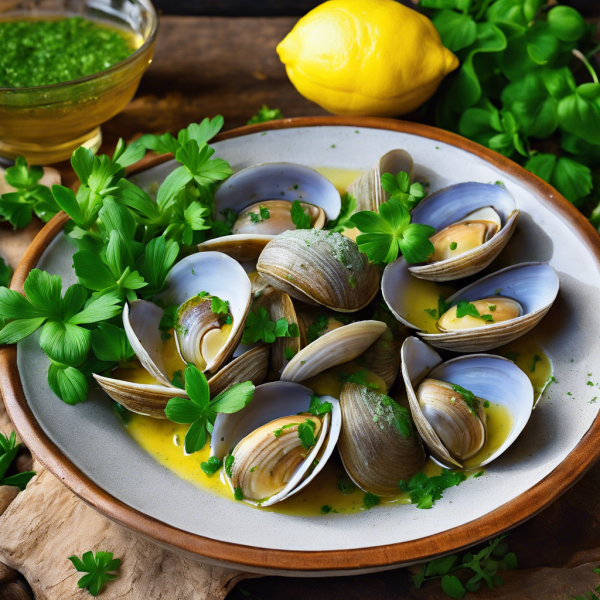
(473,223)
(513,301)
(449,400)
(270,459)
(378,444)
(200,336)
(260,197)
(320,267)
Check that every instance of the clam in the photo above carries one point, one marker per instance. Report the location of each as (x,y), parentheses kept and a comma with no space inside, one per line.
(314,323)
(473,223)
(270,462)
(199,336)
(382,357)
(334,348)
(320,267)
(261,196)
(378,444)
(448,402)
(511,302)
(367,188)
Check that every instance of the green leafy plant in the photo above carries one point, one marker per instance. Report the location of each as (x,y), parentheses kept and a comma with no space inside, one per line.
(401,189)
(200,411)
(484,565)
(8,452)
(99,567)
(516,89)
(5,273)
(424,490)
(387,233)
(265,114)
(29,196)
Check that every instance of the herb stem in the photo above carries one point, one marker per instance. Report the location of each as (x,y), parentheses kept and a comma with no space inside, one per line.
(587,64)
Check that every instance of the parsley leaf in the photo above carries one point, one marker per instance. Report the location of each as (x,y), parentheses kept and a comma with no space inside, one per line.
(200,411)
(212,466)
(99,569)
(534,363)
(345,485)
(265,114)
(300,218)
(400,189)
(229,460)
(260,327)
(424,491)
(370,500)
(218,306)
(318,408)
(344,219)
(390,231)
(306,433)
(469,397)
(466,309)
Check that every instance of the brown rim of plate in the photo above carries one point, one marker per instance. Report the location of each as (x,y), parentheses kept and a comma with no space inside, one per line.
(514,512)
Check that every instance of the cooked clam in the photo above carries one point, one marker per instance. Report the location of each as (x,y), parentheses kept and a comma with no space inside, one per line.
(378,444)
(447,401)
(272,187)
(320,267)
(270,460)
(509,302)
(473,223)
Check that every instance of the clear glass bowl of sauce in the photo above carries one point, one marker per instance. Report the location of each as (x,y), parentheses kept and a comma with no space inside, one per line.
(46,123)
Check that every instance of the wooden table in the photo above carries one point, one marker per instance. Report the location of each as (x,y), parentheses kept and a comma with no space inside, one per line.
(206,66)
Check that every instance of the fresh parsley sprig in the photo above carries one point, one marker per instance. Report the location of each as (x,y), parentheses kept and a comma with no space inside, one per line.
(200,411)
(424,490)
(99,567)
(401,189)
(29,195)
(260,327)
(485,565)
(8,452)
(387,233)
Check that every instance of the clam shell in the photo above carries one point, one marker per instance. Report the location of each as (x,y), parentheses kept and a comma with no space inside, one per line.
(272,401)
(374,453)
(382,357)
(241,247)
(490,377)
(334,348)
(452,204)
(533,285)
(221,276)
(320,267)
(151,400)
(367,188)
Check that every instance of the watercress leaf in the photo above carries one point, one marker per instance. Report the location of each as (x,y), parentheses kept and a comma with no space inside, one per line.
(132,154)
(572,179)
(74,300)
(579,112)
(234,398)
(68,383)
(110,343)
(65,343)
(19,329)
(173,184)
(202,132)
(195,438)
(83,162)
(566,23)
(456,30)
(181,410)
(91,271)
(196,387)
(15,306)
(453,587)
(19,480)
(542,165)
(99,308)
(65,198)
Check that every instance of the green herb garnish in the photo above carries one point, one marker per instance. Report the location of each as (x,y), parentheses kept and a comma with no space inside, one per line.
(424,491)
(211,466)
(99,568)
(238,494)
(265,114)
(370,500)
(306,433)
(453,245)
(259,327)
(218,306)
(200,411)
(300,218)
(534,362)
(229,460)
(345,485)
(318,408)
(400,189)
(466,309)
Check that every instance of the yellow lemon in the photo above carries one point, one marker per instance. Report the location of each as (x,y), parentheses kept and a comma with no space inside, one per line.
(366,57)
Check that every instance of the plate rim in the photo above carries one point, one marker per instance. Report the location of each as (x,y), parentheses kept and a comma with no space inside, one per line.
(348,561)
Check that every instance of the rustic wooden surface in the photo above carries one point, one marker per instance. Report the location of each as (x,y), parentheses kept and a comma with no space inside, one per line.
(205,66)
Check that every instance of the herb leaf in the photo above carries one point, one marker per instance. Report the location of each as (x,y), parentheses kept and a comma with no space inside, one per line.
(99,568)
(265,114)
(424,490)
(300,218)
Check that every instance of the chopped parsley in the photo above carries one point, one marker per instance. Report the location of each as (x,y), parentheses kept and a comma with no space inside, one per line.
(326,509)
(238,494)
(486,404)
(318,408)
(211,466)
(259,327)
(424,491)
(306,433)
(261,216)
(432,312)
(453,245)
(300,218)
(229,460)
(469,397)
(218,306)
(467,309)
(178,380)
(317,328)
(536,360)
(371,500)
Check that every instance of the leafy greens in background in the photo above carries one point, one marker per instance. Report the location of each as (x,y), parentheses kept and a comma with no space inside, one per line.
(126,244)
(8,452)
(524,88)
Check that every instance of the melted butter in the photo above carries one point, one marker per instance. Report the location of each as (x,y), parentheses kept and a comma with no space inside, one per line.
(529,355)
(172,361)
(341,178)
(133,372)
(330,382)
(423,295)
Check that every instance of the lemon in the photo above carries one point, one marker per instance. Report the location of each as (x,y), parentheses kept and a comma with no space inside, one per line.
(365,57)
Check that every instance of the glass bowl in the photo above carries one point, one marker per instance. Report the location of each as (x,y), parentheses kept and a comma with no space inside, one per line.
(46,124)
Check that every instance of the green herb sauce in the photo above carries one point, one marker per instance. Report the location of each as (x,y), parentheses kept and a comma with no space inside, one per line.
(44,52)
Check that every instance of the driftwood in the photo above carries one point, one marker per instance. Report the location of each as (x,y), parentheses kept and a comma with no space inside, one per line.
(47,523)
